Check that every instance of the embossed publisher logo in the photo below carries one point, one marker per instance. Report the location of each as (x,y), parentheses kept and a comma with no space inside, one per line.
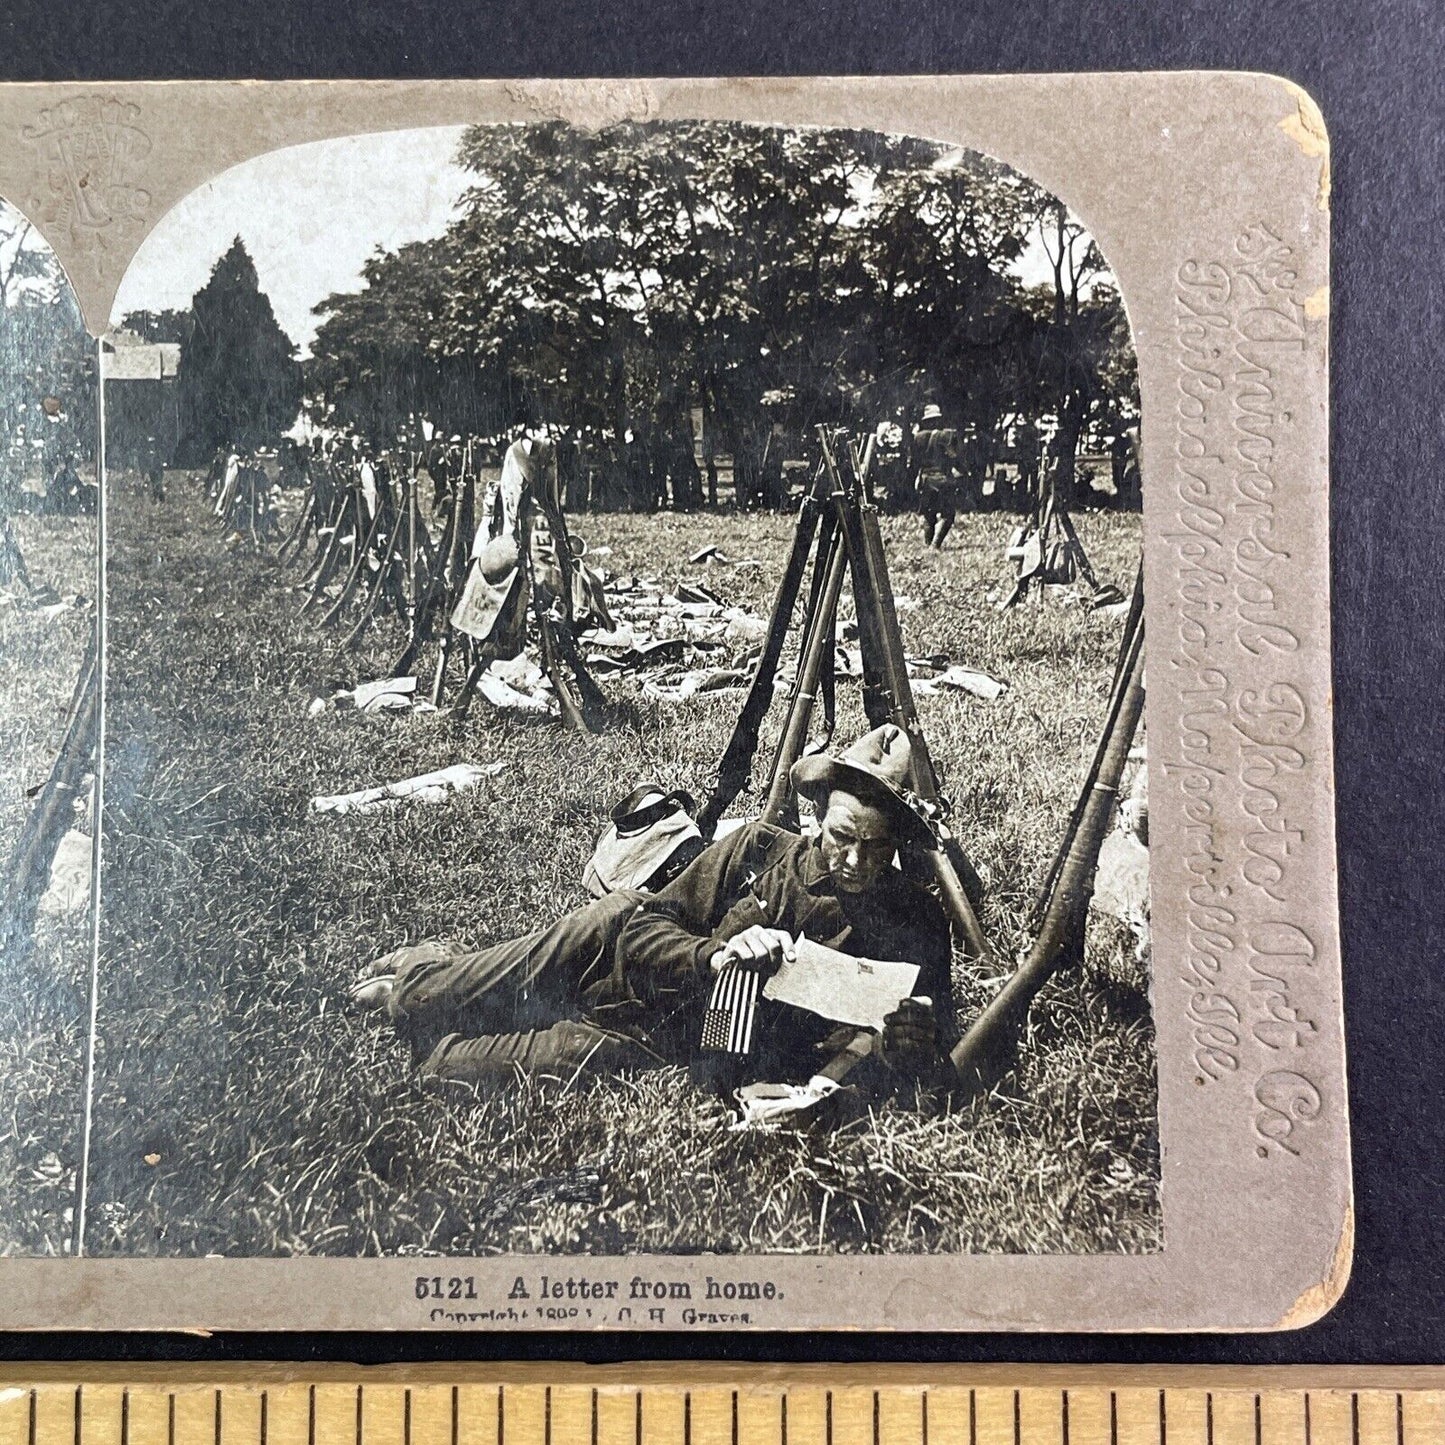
(93,150)
(593,105)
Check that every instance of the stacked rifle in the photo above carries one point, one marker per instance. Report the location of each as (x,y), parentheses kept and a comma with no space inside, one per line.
(242,497)
(549,610)
(1048,551)
(27,872)
(364,550)
(985,1051)
(838,533)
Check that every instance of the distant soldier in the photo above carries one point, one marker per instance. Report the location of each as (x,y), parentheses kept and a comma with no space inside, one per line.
(293,463)
(445,465)
(11,482)
(216,474)
(772,489)
(935,456)
(68,494)
(155,469)
(226,488)
(972,464)
(252,510)
(682,469)
(365,473)
(1125,458)
(1028,447)
(890,463)
(12,560)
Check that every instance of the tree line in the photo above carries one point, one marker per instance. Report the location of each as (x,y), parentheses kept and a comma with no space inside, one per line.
(238,382)
(47,363)
(613,284)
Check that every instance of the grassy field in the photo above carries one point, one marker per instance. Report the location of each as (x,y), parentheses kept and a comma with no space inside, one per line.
(243,1108)
(42,988)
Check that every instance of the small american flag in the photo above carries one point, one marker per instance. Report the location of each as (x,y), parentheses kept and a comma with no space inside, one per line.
(727,1026)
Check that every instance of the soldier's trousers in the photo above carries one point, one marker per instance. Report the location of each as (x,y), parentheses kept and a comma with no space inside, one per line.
(515,1005)
(937,505)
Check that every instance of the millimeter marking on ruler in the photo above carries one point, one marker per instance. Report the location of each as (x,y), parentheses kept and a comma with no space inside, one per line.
(429,1409)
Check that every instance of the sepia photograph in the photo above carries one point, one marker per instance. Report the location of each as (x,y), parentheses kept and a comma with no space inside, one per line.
(615,642)
(49,721)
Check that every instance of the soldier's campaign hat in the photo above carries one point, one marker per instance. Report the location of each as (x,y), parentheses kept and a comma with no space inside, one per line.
(878,769)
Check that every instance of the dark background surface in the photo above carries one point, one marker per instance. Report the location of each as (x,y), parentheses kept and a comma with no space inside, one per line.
(1376,71)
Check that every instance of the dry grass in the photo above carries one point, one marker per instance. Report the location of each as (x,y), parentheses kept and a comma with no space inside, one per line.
(244,1109)
(42,999)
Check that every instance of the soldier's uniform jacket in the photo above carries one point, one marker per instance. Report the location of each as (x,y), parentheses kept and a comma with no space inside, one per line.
(935,453)
(624,981)
(765,875)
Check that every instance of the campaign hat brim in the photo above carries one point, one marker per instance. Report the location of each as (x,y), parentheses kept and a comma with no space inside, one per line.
(817,776)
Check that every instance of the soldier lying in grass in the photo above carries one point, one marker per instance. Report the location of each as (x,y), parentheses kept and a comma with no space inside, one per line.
(623,982)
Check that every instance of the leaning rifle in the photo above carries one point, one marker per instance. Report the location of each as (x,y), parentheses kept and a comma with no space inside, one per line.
(887,692)
(986,1050)
(735,769)
(816,655)
(1046,888)
(28,871)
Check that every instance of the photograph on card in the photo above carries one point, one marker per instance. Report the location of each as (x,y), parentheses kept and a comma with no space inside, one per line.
(623,707)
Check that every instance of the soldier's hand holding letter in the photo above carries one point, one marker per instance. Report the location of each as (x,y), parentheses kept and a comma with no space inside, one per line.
(758,948)
(909,1040)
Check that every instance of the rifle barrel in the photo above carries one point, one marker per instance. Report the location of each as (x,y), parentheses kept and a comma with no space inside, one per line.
(895,703)
(979,1055)
(737,759)
(800,710)
(28,870)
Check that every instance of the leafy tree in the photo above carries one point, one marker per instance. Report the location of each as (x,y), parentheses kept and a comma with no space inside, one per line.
(610,282)
(238,382)
(940,315)
(626,276)
(47,359)
(376,362)
(160,326)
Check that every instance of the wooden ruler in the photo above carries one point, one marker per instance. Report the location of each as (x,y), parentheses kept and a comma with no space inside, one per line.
(683,1404)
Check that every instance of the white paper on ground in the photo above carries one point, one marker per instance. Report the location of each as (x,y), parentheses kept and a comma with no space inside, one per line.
(431,788)
(386,692)
(501,694)
(69,888)
(765,1104)
(965,679)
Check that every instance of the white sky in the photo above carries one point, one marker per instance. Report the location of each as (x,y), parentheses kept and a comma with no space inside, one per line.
(311,215)
(17,234)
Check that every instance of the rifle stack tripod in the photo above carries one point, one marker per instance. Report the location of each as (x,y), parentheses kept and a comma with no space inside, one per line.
(838,530)
(384,556)
(1048,549)
(580,700)
(381,553)
(838,533)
